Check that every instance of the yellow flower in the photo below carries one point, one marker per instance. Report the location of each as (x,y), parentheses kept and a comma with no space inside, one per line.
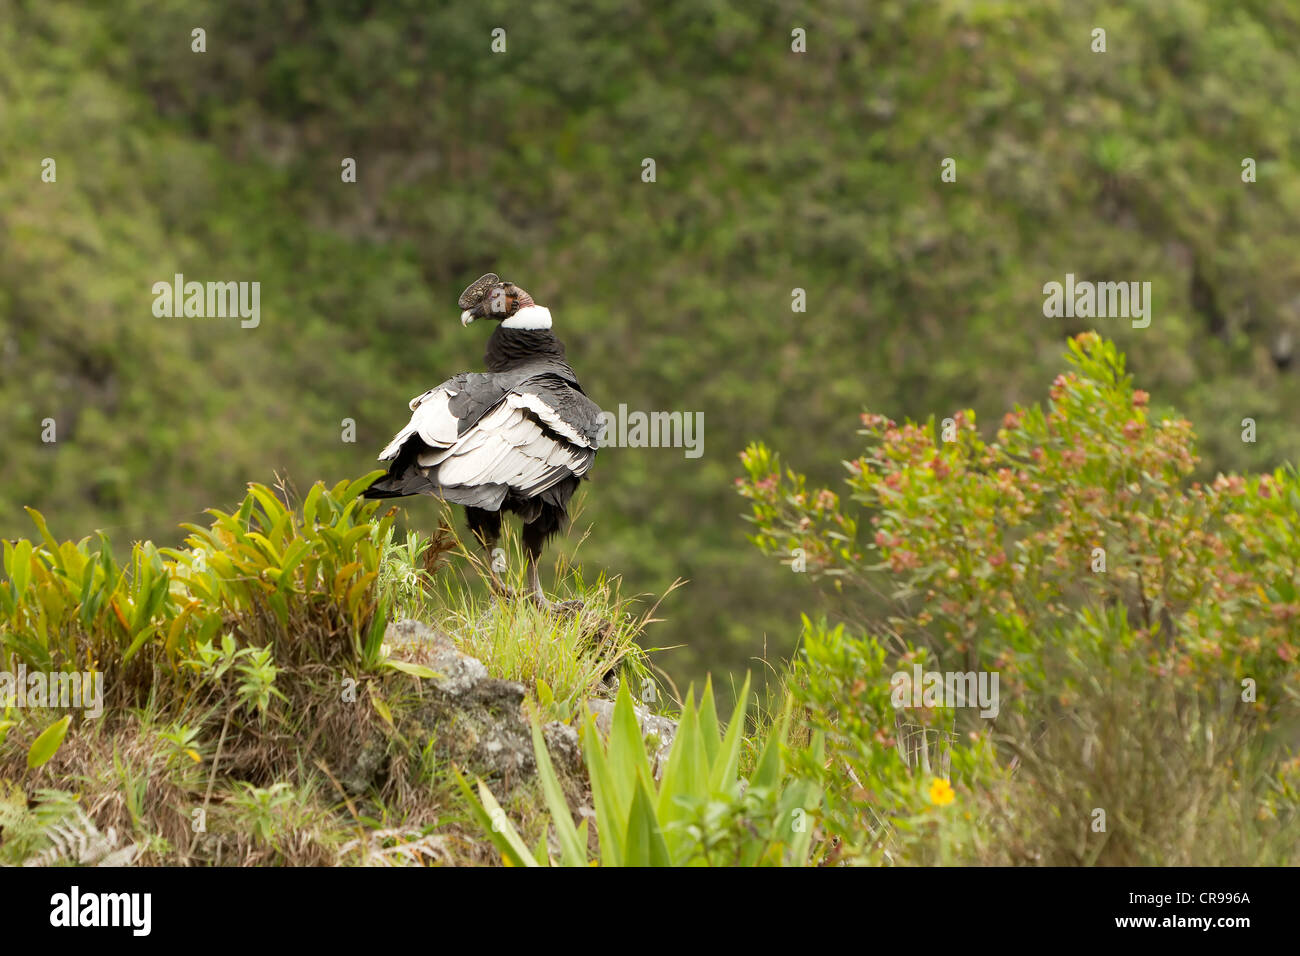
(941,792)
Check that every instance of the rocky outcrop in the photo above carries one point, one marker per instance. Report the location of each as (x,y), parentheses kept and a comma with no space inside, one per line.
(477,721)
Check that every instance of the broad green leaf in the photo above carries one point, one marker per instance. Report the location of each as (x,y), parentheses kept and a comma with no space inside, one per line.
(627,755)
(358,486)
(611,817)
(490,816)
(572,853)
(381,708)
(138,642)
(51,545)
(768,771)
(415,670)
(267,549)
(272,506)
(309,505)
(708,717)
(293,555)
(684,777)
(645,841)
(545,696)
(19,564)
(47,744)
(806,796)
(245,510)
(726,764)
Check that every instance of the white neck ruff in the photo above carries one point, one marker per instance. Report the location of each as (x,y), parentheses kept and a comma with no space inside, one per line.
(529,317)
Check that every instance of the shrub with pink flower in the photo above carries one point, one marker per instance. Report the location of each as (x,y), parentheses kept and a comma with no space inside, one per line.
(1071,551)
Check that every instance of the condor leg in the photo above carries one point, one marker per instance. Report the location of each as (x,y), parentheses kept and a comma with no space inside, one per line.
(535,535)
(486,527)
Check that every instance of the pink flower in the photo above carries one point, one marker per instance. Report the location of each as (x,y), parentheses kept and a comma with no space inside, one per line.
(903,560)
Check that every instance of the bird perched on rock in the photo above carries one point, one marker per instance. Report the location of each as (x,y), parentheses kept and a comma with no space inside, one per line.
(519,437)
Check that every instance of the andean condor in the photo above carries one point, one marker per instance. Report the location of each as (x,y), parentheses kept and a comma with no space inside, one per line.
(516,438)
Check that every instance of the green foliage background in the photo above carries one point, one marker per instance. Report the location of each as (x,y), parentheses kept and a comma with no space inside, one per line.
(775,171)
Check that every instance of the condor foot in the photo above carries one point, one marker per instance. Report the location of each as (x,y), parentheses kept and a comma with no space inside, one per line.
(562,608)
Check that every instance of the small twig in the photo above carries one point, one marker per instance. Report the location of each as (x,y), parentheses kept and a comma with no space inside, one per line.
(361,828)
(212,778)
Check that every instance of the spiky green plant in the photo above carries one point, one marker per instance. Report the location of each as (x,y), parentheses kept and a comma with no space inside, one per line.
(701,811)
(262,573)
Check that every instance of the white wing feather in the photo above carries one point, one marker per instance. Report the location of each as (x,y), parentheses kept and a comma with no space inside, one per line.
(431,419)
(506,446)
(548,415)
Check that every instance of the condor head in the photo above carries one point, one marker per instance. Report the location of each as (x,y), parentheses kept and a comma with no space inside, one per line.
(491,298)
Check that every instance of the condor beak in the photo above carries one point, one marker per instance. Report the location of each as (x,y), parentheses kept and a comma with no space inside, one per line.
(466,318)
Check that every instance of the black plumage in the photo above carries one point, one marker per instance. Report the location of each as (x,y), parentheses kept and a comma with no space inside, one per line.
(517,438)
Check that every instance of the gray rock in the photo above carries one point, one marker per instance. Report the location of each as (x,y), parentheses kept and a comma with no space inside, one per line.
(457,673)
(475,720)
(652,725)
(563,745)
(369,758)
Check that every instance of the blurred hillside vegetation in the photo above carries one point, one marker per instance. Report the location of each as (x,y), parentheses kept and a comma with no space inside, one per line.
(775,171)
